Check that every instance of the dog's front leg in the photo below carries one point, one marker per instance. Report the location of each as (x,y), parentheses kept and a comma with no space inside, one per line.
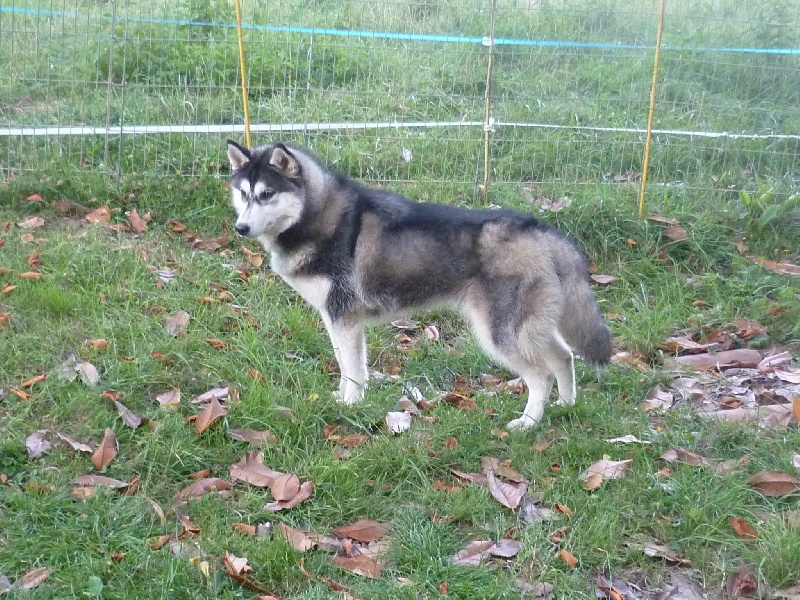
(350,347)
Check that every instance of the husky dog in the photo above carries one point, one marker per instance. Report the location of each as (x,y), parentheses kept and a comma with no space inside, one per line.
(360,254)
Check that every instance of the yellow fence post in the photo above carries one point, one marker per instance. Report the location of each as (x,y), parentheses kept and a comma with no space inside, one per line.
(646,164)
(487,124)
(243,73)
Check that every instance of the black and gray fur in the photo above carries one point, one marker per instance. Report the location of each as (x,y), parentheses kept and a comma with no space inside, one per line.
(360,254)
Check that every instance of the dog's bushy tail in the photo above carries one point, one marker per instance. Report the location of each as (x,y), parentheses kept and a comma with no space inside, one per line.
(581,323)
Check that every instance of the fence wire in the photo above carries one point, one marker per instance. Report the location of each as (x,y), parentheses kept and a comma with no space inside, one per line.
(394,91)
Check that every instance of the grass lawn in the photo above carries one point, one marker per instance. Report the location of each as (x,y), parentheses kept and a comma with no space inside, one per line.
(103,283)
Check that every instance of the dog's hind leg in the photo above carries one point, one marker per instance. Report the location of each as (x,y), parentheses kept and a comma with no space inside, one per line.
(559,360)
(539,382)
(350,347)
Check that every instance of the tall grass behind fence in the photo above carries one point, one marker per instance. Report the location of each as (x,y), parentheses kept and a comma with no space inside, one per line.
(395,91)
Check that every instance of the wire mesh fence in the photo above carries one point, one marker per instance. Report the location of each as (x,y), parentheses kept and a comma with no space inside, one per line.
(395,91)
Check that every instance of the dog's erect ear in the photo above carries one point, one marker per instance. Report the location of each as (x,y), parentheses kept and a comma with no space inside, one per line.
(238,156)
(284,161)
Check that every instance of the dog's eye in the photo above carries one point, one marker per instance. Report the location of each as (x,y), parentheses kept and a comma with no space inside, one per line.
(266,194)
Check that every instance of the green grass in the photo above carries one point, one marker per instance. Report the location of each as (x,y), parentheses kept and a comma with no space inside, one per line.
(97,284)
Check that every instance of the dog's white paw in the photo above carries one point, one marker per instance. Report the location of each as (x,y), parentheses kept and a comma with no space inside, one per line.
(521,424)
(566,401)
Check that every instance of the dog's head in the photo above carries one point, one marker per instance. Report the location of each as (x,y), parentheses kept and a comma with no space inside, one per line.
(267,189)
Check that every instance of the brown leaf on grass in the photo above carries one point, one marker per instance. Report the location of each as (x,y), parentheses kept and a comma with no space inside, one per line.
(157,509)
(137,223)
(476,478)
(201,474)
(298,539)
(364,530)
(358,565)
(30,275)
(568,558)
(177,323)
(254,437)
(7,289)
(507,494)
(170,399)
(130,419)
(78,446)
(5,318)
(210,245)
(101,480)
(208,415)
(303,494)
(33,579)
(256,376)
(235,568)
(674,231)
(31,223)
(217,344)
(398,421)
(473,554)
(766,415)
(101,216)
(251,469)
(593,481)
(741,583)
(32,380)
(602,279)
(502,469)
(532,512)
(460,401)
(107,450)
(219,393)
(254,258)
(776,267)
(743,529)
(682,344)
(740,357)
(607,469)
(285,487)
(796,408)
(245,528)
(88,372)
(352,440)
(20,394)
(654,549)
(36,444)
(98,344)
(685,456)
(774,483)
(34,261)
(451,442)
(35,198)
(202,487)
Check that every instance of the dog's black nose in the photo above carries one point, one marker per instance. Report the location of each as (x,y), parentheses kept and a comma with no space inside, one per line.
(242,229)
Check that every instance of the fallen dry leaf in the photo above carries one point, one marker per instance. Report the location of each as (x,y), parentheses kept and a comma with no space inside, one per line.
(507,494)
(107,450)
(130,419)
(32,380)
(251,469)
(777,267)
(741,357)
(254,437)
(602,279)
(101,216)
(138,223)
(98,344)
(332,584)
(790,593)
(774,483)
(298,539)
(460,401)
(741,583)
(254,258)
(607,469)
(246,529)
(208,415)
(35,198)
(202,487)
(79,446)
(177,323)
(364,530)
(201,474)
(34,261)
(33,579)
(285,487)
(655,549)
(501,469)
(743,529)
(303,494)
(473,554)
(95,480)
(170,399)
(568,558)
(88,372)
(36,444)
(358,565)
(398,421)
(31,223)
(30,275)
